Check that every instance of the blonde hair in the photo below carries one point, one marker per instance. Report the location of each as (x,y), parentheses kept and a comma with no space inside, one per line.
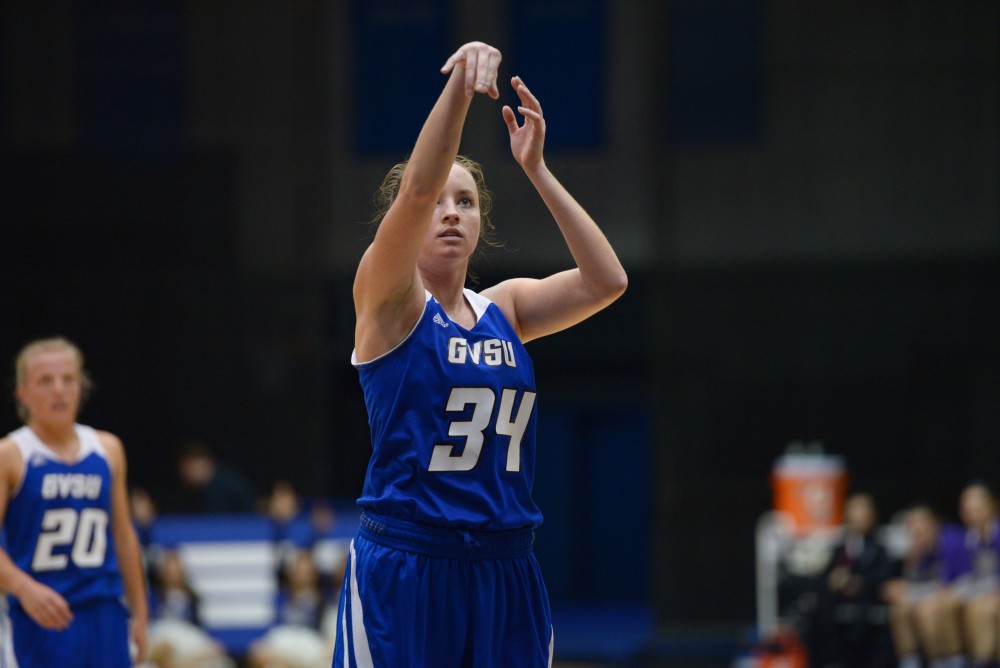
(56,343)
(387,192)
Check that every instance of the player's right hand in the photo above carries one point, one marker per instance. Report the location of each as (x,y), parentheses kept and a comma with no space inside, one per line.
(44,605)
(481,62)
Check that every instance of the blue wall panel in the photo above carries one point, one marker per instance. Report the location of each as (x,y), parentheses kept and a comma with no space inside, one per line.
(399,48)
(559,51)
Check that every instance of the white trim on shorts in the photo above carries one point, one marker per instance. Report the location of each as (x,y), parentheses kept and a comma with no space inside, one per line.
(359,647)
(7,658)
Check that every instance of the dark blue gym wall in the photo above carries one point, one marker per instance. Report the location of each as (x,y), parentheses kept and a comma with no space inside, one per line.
(805,196)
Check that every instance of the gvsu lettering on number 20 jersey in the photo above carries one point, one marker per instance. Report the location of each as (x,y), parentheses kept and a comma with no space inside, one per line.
(71,485)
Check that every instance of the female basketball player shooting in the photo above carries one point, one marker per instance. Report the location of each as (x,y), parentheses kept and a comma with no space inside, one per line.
(71,548)
(442,572)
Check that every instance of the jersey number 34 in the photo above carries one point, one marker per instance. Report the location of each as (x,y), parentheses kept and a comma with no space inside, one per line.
(507,423)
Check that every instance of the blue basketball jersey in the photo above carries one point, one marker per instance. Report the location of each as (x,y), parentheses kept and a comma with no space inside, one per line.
(58,519)
(452,417)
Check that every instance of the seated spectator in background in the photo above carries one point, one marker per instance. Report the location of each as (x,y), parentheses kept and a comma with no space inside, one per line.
(210,486)
(171,595)
(175,638)
(972,570)
(304,608)
(284,509)
(283,504)
(143,515)
(177,644)
(913,595)
(850,632)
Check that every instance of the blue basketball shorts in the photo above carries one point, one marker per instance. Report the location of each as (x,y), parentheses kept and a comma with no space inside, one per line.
(97,638)
(441,598)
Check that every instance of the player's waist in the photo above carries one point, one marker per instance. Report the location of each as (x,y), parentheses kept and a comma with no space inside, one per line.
(445,542)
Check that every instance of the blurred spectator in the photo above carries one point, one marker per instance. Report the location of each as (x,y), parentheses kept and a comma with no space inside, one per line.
(284,509)
(322,518)
(912,596)
(177,644)
(302,596)
(972,569)
(143,514)
(303,610)
(851,619)
(210,486)
(172,596)
(283,504)
(175,639)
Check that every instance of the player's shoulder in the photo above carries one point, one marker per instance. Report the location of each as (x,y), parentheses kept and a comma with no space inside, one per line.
(103,442)
(11,459)
(114,450)
(504,296)
(111,443)
(8,448)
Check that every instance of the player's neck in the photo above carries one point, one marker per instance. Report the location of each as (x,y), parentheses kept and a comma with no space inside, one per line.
(445,282)
(59,437)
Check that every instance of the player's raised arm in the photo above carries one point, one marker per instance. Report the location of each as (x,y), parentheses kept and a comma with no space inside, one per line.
(388,291)
(548,305)
(127,544)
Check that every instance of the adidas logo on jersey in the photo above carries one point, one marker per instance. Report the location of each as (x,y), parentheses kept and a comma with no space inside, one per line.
(38,460)
(439,320)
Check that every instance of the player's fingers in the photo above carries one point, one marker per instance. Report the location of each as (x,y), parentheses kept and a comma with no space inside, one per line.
(493,64)
(457,58)
(61,615)
(530,113)
(527,97)
(471,71)
(484,81)
(453,60)
(54,619)
(509,118)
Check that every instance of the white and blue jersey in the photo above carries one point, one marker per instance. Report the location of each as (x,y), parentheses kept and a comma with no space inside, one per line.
(58,520)
(442,571)
(452,416)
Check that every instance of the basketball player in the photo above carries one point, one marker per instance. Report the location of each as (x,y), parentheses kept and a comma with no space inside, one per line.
(442,572)
(71,548)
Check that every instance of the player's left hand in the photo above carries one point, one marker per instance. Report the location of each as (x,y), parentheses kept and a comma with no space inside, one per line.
(527,141)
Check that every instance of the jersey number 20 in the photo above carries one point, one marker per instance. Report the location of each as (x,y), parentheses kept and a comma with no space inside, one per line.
(473,429)
(86,530)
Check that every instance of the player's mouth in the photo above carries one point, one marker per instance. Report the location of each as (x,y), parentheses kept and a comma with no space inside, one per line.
(451,232)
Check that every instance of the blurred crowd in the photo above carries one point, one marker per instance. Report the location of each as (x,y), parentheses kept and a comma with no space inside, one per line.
(930,600)
(304,627)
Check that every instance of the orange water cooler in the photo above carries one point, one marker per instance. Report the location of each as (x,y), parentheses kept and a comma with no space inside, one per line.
(810,488)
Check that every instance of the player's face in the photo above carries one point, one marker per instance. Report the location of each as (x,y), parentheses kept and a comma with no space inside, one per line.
(455,228)
(51,387)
